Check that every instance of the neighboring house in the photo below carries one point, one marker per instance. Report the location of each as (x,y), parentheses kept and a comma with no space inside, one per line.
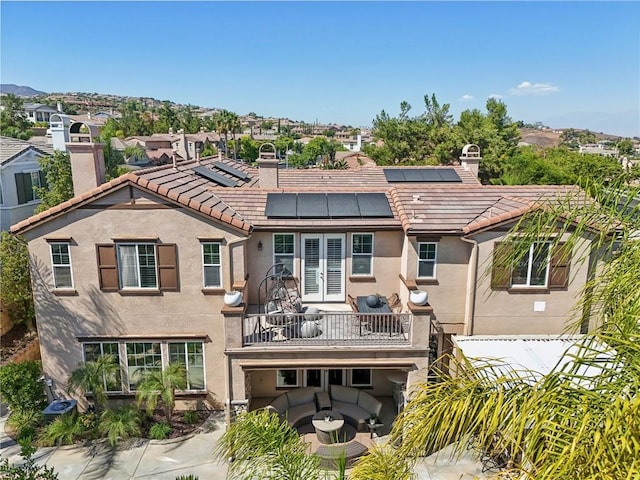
(20,174)
(38,112)
(139,267)
(161,147)
(599,149)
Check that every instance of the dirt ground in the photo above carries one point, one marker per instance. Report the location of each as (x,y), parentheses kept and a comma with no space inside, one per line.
(15,340)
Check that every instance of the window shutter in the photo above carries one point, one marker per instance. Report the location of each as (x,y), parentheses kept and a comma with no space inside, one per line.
(168,266)
(501,268)
(21,187)
(559,266)
(43,179)
(107,267)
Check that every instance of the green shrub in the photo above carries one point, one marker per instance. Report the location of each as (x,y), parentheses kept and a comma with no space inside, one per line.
(25,422)
(64,430)
(120,423)
(159,431)
(88,420)
(20,386)
(190,417)
(187,477)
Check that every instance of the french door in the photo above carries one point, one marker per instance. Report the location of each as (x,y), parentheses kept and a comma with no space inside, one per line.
(323,378)
(323,274)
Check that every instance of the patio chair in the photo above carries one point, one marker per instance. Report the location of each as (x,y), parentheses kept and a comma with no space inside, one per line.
(395,304)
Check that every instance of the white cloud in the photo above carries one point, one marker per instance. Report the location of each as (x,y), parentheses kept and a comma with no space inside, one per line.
(466,98)
(528,88)
(497,96)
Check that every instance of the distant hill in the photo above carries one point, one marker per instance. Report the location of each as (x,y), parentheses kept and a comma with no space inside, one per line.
(19,90)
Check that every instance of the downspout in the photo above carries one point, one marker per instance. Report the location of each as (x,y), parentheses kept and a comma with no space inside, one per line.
(470,296)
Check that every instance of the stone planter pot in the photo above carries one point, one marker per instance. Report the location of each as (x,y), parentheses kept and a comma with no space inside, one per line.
(233,298)
(418,297)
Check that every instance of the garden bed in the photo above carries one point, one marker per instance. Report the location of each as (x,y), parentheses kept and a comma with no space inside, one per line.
(179,427)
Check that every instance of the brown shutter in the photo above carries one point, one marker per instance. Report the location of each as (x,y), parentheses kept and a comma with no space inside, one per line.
(168,266)
(501,267)
(107,267)
(559,266)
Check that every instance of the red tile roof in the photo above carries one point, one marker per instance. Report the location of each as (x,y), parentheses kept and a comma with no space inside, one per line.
(456,208)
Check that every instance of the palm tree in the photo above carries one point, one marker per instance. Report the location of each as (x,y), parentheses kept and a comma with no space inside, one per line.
(569,424)
(95,376)
(259,445)
(159,386)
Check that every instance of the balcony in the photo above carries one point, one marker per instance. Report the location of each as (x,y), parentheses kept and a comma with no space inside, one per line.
(327,328)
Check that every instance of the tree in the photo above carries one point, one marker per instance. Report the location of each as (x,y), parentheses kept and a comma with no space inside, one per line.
(625,147)
(248,148)
(189,121)
(569,424)
(13,120)
(15,280)
(134,152)
(94,376)
(21,387)
(57,171)
(159,387)
(259,445)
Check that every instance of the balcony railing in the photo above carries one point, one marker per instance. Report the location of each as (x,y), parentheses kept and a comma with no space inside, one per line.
(327,329)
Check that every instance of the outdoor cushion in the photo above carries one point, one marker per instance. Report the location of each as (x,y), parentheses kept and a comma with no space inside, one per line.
(298,413)
(301,395)
(344,394)
(357,415)
(280,403)
(369,403)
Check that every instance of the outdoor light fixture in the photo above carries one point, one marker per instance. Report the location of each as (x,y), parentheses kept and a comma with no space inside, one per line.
(259,246)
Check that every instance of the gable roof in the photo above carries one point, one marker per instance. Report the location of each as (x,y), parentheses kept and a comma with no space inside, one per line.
(12,148)
(417,207)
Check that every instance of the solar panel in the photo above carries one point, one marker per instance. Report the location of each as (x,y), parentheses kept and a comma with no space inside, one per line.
(327,205)
(343,205)
(281,205)
(428,175)
(232,171)
(449,175)
(374,205)
(214,177)
(393,175)
(312,205)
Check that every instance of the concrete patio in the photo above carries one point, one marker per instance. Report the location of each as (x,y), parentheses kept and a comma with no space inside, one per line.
(167,459)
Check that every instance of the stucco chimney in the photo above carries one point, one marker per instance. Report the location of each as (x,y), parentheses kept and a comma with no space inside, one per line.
(470,158)
(268,172)
(59,107)
(87,157)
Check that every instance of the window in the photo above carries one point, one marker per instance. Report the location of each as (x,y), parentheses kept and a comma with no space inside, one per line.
(284,251)
(61,265)
(427,259)
(137,265)
(361,377)
(287,378)
(95,350)
(362,254)
(26,185)
(211,265)
(142,357)
(544,264)
(532,269)
(191,356)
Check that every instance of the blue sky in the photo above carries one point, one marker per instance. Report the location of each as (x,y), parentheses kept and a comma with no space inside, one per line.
(563,63)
